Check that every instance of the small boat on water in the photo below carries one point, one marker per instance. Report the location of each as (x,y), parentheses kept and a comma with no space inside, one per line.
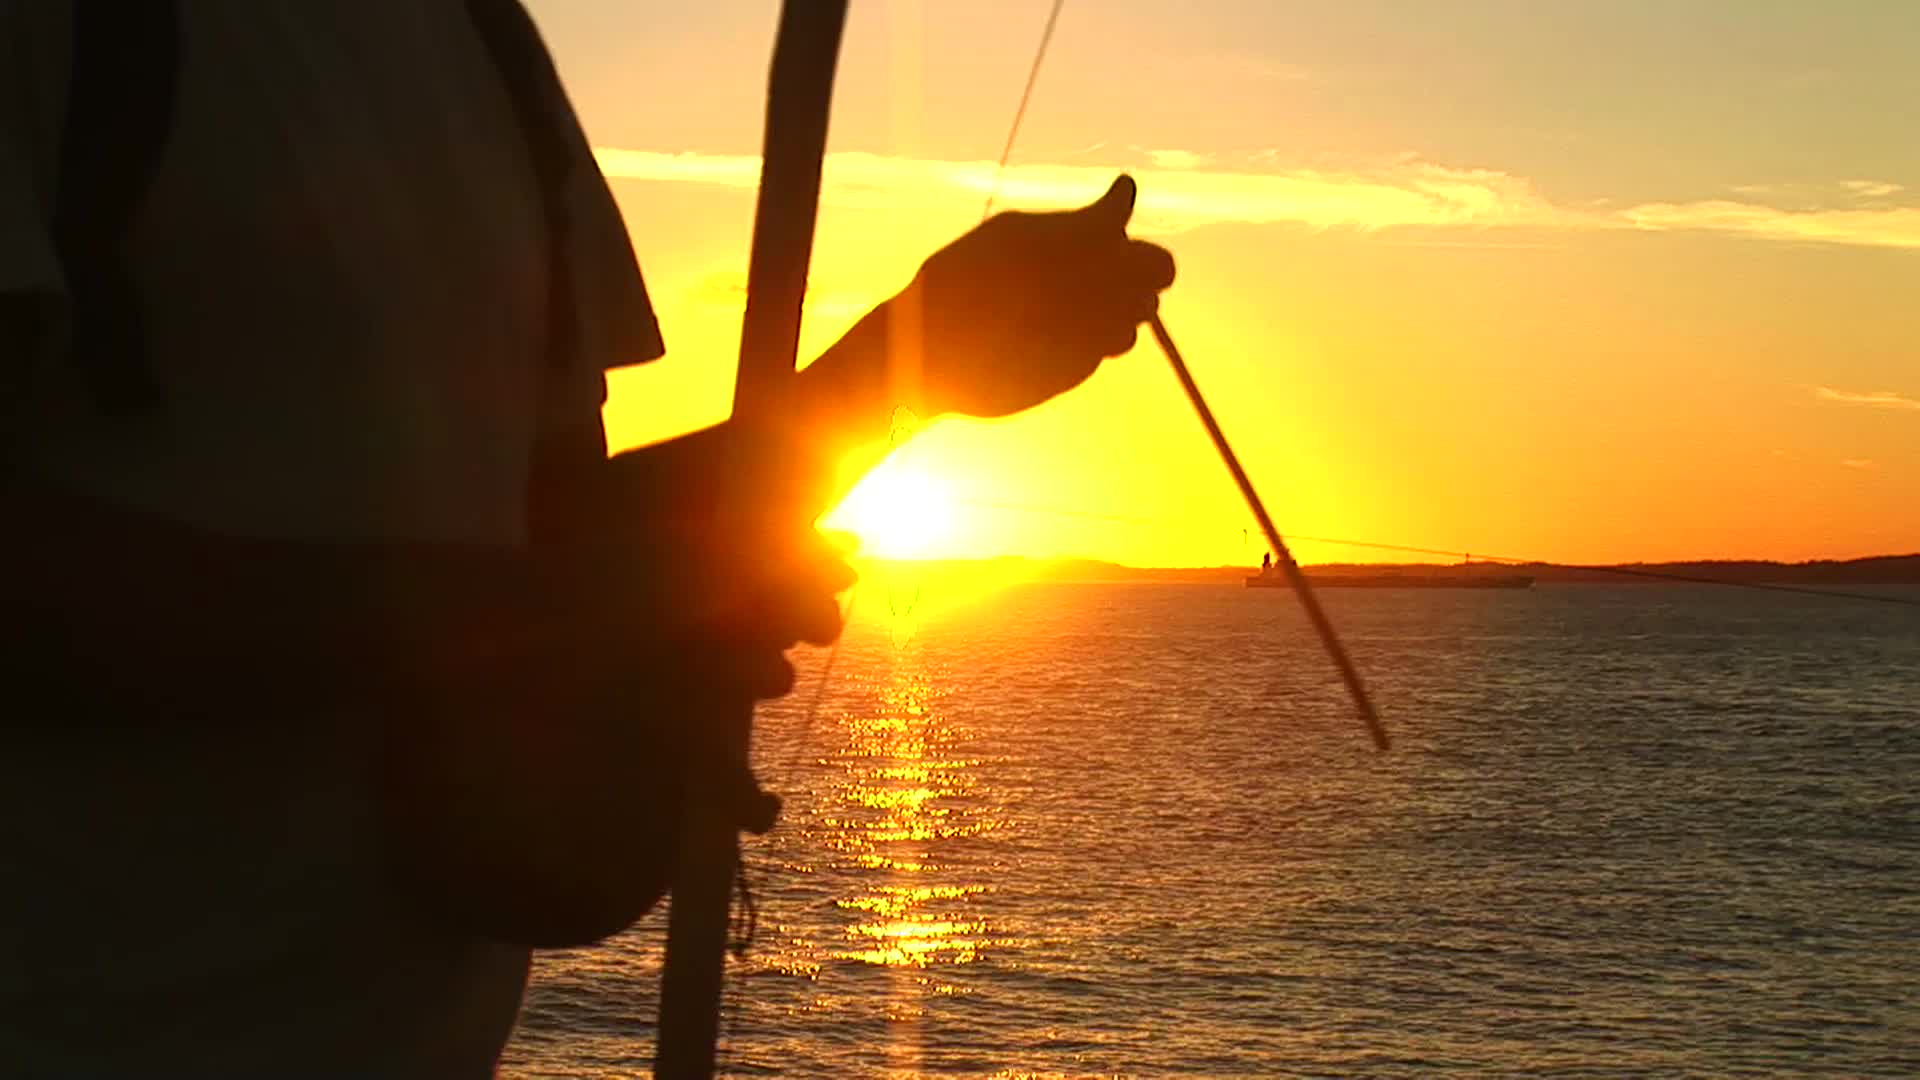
(1438,578)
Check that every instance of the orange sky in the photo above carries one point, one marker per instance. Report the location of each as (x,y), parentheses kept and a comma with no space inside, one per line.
(1573,282)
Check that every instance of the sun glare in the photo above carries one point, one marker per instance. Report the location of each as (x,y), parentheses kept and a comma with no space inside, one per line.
(898,512)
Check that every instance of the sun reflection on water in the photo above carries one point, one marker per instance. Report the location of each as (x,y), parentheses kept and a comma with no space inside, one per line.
(906,799)
(904,793)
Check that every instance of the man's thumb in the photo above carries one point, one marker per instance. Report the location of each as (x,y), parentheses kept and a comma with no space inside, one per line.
(1112,210)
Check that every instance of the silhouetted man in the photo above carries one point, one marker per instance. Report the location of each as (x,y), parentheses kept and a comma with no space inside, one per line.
(345,665)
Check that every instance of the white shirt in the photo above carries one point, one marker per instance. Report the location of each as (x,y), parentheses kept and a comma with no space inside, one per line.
(342,270)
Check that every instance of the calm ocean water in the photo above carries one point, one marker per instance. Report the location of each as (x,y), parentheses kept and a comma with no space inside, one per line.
(1134,830)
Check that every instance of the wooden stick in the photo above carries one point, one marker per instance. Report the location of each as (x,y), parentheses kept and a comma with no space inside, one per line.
(697,920)
(1301,587)
(799,92)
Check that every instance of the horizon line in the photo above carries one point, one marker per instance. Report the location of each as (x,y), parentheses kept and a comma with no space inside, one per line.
(1489,560)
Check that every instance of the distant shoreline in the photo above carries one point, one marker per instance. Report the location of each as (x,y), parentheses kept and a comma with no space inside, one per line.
(1871,570)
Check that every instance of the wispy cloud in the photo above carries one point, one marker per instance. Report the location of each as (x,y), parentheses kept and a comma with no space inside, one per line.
(1178,159)
(1872,189)
(1817,193)
(1181,190)
(1898,227)
(1860,464)
(1175,194)
(1880,399)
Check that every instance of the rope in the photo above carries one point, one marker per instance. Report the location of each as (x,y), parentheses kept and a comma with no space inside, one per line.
(826,669)
(1020,113)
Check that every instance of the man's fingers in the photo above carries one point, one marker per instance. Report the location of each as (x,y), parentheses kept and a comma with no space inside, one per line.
(1111,212)
(839,541)
(802,604)
(838,575)
(1119,340)
(1125,278)
(756,657)
(813,619)
(1117,294)
(1144,308)
(766,675)
(1149,266)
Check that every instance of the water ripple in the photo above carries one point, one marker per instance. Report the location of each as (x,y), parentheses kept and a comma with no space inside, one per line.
(1079,831)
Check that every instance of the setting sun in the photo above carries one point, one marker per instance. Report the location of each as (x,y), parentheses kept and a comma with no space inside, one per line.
(899,511)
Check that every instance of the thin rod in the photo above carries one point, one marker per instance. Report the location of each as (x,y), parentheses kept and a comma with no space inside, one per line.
(1020,113)
(1301,587)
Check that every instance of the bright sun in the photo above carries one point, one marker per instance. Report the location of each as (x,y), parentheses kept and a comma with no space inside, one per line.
(898,512)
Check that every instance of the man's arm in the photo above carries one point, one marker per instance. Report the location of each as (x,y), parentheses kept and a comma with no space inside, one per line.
(1016,312)
(539,804)
(526,741)
(523,706)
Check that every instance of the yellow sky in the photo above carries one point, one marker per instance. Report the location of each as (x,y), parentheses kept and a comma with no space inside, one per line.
(1509,279)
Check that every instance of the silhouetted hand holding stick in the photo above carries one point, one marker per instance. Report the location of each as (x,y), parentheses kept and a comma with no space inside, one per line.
(1026,306)
(1017,311)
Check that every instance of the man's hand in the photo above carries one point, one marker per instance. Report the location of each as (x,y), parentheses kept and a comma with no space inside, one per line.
(704,544)
(746,615)
(1026,306)
(1019,310)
